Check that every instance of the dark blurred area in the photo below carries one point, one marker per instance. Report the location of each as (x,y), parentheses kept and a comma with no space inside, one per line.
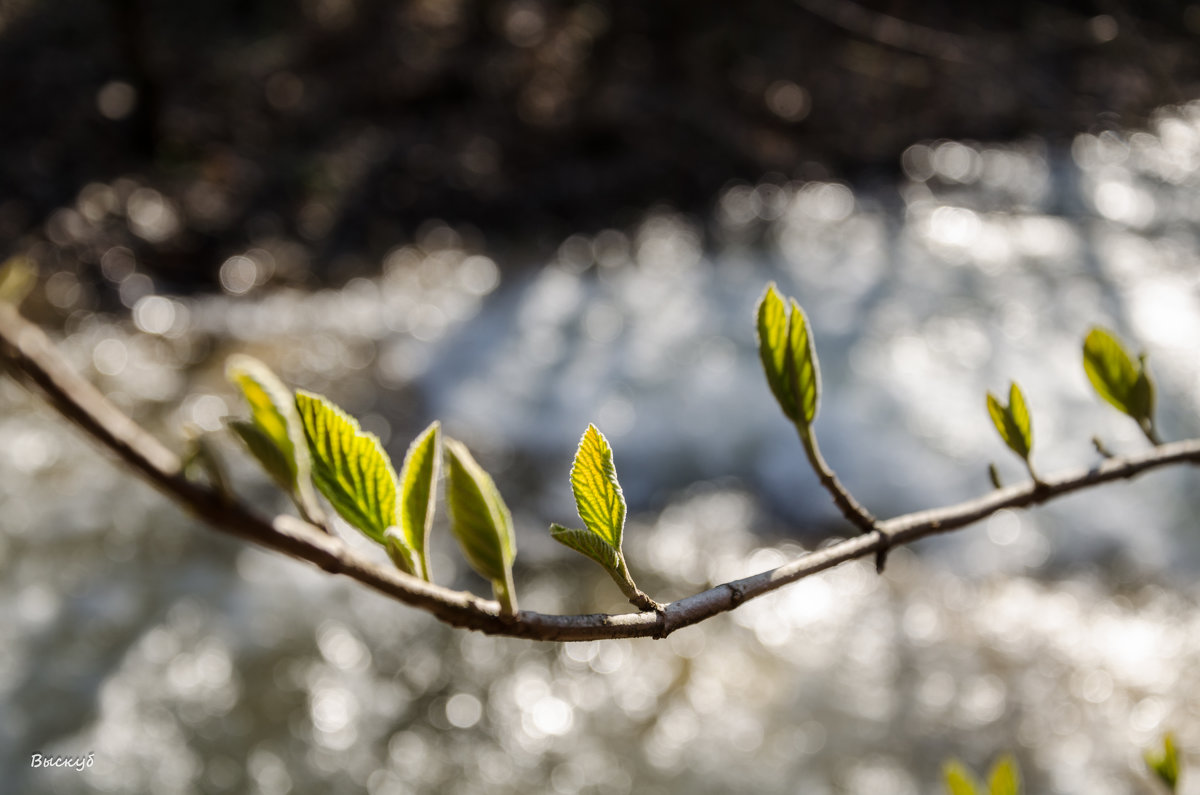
(187,132)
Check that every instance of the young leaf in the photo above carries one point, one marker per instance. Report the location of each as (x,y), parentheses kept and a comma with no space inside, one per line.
(274,435)
(1166,765)
(481,522)
(418,480)
(959,780)
(1114,376)
(1110,369)
(349,466)
(772,330)
(597,493)
(589,544)
(802,370)
(273,460)
(402,554)
(1141,397)
(1005,778)
(1012,421)
(601,505)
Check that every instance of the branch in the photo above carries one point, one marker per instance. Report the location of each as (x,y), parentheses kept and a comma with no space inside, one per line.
(31,355)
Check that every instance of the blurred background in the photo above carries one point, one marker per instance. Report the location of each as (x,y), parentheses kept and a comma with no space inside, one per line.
(521,217)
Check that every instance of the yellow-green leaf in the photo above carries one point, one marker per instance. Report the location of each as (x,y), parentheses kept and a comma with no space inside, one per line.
(278,440)
(803,372)
(1005,778)
(959,780)
(401,553)
(349,466)
(479,519)
(1111,370)
(418,481)
(1167,764)
(263,448)
(1012,421)
(587,543)
(597,493)
(772,328)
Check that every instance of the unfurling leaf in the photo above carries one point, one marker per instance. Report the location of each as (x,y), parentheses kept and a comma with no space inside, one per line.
(481,522)
(1110,369)
(273,460)
(1128,387)
(401,552)
(597,493)
(349,466)
(275,434)
(788,356)
(587,543)
(1012,421)
(418,481)
(601,506)
(772,348)
(1166,765)
(802,368)
(959,780)
(1005,778)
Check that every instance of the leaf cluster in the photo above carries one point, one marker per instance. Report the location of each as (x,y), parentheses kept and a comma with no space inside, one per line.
(304,440)
(1003,779)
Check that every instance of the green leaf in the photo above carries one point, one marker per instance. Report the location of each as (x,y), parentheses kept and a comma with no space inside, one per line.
(1111,370)
(418,480)
(349,466)
(480,520)
(401,553)
(597,493)
(772,328)
(1141,397)
(277,439)
(802,370)
(587,543)
(959,780)
(788,356)
(263,448)
(1166,765)
(1005,778)
(1012,421)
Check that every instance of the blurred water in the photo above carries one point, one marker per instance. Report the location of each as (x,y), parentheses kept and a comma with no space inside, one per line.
(189,663)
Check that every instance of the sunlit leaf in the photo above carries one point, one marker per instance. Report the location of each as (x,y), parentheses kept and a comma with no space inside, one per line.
(1012,421)
(277,439)
(587,543)
(1005,778)
(418,480)
(349,466)
(401,553)
(479,519)
(772,327)
(959,780)
(597,493)
(801,366)
(1111,370)
(1167,765)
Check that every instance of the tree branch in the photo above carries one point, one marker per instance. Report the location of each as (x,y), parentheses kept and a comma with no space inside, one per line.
(31,355)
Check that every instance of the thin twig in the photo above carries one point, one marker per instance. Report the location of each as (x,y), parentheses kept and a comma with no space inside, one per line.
(31,354)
